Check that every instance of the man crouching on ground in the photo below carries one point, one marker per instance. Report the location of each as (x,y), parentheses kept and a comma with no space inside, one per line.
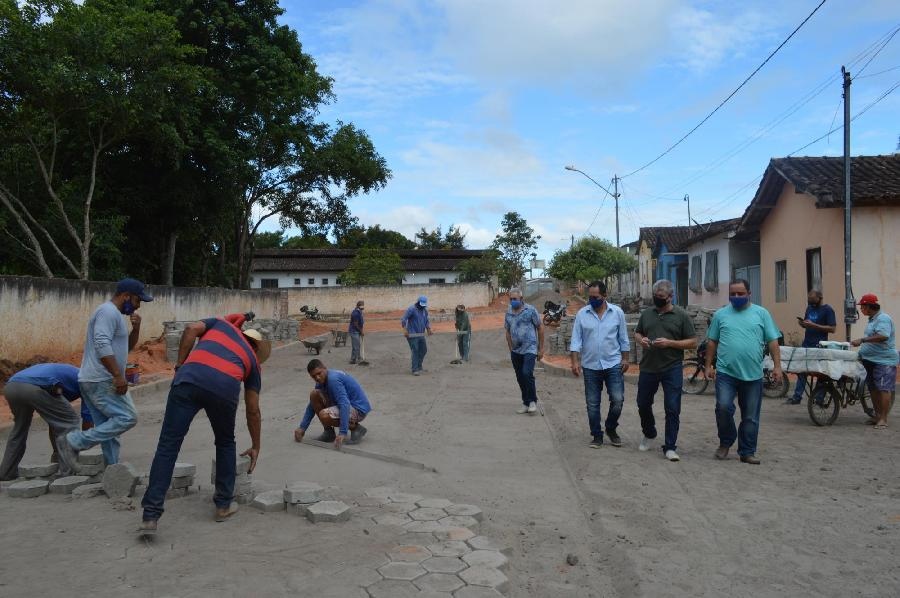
(338,400)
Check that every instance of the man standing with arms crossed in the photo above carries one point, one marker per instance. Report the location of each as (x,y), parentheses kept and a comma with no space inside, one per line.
(878,352)
(664,331)
(525,338)
(734,359)
(415,326)
(600,348)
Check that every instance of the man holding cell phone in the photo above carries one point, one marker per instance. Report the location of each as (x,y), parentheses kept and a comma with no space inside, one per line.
(818,321)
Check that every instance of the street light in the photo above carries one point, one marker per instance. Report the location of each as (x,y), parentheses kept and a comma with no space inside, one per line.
(615,195)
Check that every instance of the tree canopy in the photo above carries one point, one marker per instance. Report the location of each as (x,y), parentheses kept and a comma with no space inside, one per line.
(590,259)
(373,266)
(454,238)
(514,243)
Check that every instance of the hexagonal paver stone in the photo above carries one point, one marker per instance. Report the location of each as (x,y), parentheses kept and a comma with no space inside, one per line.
(435,503)
(120,479)
(439,582)
(91,456)
(302,492)
(459,521)
(183,470)
(38,471)
(182,482)
(409,553)
(444,564)
(391,519)
(67,484)
(399,507)
(269,502)
(477,592)
(467,510)
(449,548)
(485,543)
(28,489)
(486,577)
(298,509)
(389,588)
(88,491)
(427,514)
(403,497)
(422,527)
(328,511)
(379,492)
(453,533)
(402,571)
(487,558)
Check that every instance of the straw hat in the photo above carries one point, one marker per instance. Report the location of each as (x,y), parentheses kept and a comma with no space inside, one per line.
(263,347)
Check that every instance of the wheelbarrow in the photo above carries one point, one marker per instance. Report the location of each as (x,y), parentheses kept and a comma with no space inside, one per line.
(314,343)
(339,338)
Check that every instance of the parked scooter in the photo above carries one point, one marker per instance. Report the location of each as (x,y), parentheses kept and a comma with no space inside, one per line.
(312,313)
(554,312)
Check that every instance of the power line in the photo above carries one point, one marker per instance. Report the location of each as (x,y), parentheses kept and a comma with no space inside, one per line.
(877,52)
(893,68)
(731,95)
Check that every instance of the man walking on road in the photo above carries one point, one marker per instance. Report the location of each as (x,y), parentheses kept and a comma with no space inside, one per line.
(525,338)
(878,352)
(102,375)
(600,348)
(737,335)
(415,326)
(357,323)
(664,331)
(208,376)
(339,401)
(819,322)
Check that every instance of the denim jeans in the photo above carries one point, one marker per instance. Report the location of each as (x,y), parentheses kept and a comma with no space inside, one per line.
(648,383)
(184,401)
(418,348)
(523,364)
(113,415)
(463,341)
(749,397)
(354,347)
(593,388)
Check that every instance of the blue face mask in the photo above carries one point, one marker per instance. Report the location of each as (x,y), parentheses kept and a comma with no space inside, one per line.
(597,302)
(515,303)
(739,302)
(128,307)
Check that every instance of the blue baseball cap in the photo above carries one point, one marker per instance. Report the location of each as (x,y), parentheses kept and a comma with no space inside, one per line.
(135,287)
(423,301)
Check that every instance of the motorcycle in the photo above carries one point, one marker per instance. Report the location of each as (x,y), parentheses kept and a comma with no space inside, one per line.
(312,313)
(554,312)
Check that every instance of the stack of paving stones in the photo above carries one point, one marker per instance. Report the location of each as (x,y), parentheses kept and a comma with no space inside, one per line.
(243,483)
(286,330)
(559,340)
(182,480)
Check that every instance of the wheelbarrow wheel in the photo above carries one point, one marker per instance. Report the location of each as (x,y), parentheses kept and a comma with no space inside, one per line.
(824,404)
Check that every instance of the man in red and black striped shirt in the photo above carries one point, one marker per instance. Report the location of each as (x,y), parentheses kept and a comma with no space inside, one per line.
(209,376)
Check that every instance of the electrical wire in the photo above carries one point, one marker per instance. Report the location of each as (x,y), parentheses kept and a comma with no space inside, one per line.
(731,95)
(877,52)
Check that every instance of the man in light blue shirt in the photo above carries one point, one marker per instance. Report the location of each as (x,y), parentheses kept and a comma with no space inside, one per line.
(415,326)
(600,349)
(525,338)
(339,402)
(878,352)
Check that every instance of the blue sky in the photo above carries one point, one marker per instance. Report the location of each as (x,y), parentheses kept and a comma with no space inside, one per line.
(478,105)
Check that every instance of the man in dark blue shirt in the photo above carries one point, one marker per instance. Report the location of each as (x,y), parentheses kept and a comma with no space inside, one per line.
(818,321)
(339,401)
(357,323)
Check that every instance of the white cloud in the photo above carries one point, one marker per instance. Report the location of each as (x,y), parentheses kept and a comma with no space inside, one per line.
(705,39)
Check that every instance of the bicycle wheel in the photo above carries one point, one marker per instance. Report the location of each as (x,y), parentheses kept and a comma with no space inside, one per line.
(695,380)
(866,398)
(824,404)
(772,389)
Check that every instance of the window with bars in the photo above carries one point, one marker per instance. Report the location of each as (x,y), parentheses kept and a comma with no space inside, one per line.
(311,281)
(268,283)
(711,273)
(781,290)
(696,278)
(324,282)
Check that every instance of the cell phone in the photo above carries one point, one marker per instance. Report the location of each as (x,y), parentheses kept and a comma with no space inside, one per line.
(800,318)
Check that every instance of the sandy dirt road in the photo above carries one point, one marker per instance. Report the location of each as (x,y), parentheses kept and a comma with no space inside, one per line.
(819,517)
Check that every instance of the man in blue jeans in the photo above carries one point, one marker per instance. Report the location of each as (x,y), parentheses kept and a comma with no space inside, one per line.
(818,321)
(208,376)
(737,335)
(664,331)
(101,377)
(600,349)
(357,323)
(415,327)
(525,339)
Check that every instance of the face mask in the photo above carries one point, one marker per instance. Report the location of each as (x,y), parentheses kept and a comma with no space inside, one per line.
(128,307)
(660,303)
(515,303)
(739,302)
(814,303)
(597,302)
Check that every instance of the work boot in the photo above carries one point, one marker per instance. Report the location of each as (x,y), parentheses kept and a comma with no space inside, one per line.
(224,514)
(722,453)
(327,435)
(751,459)
(357,434)
(148,527)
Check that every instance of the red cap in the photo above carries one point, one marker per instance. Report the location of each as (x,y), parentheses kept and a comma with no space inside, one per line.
(868,299)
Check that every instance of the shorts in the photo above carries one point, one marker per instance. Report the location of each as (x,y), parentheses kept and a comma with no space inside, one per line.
(880,377)
(355,416)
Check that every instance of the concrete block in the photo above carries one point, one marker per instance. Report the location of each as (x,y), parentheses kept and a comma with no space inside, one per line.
(392,588)
(4,484)
(298,509)
(453,533)
(485,543)
(435,503)
(402,571)
(96,478)
(459,521)
(391,519)
(399,507)
(38,471)
(422,527)
(439,582)
(380,492)
(486,577)
(28,489)
(92,456)
(182,482)
(91,469)
(487,558)
(242,464)
(243,488)
(176,493)
(427,514)
(120,479)
(184,470)
(88,491)
(409,553)
(465,510)
(269,502)
(243,499)
(139,491)
(477,592)
(302,493)
(444,564)
(328,511)
(449,548)
(403,497)
(67,484)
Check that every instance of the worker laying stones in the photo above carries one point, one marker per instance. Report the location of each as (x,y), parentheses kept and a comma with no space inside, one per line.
(209,377)
(46,388)
(339,401)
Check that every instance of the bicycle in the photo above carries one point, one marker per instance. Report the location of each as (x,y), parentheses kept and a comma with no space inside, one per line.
(695,380)
(828,396)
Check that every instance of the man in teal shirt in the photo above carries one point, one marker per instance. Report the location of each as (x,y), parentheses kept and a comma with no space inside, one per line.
(878,352)
(737,335)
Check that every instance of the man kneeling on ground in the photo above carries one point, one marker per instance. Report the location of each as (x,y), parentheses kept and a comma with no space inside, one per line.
(338,400)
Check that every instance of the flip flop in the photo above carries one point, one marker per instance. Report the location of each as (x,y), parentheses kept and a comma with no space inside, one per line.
(881,426)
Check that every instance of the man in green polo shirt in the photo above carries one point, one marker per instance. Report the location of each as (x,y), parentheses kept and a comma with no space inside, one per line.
(664,331)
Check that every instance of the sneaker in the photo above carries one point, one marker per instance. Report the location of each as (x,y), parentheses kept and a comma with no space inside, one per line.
(148,527)
(645,444)
(597,442)
(224,514)
(751,459)
(532,408)
(417,373)
(67,454)
(523,409)
(672,455)
(326,436)
(357,434)
(614,438)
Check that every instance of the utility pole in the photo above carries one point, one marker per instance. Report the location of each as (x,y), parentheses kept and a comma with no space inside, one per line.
(849,302)
(687,198)
(616,197)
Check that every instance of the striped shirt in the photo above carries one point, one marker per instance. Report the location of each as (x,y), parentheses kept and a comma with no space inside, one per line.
(220,361)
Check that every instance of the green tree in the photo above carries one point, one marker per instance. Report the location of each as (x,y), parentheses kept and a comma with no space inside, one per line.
(269,240)
(373,266)
(374,236)
(479,269)
(515,242)
(454,238)
(590,259)
(314,241)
